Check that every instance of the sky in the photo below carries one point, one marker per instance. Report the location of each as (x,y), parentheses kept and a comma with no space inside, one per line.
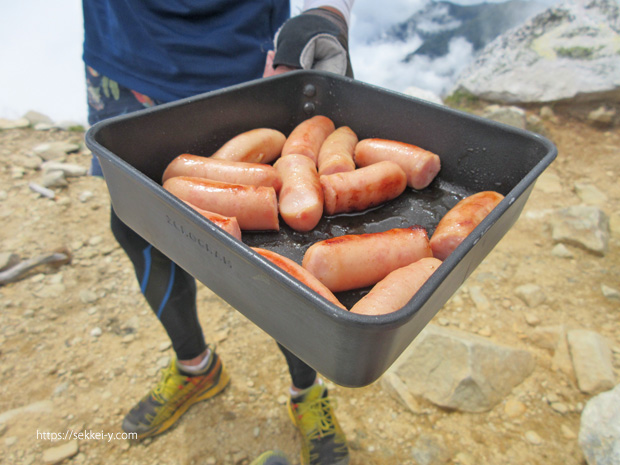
(42,69)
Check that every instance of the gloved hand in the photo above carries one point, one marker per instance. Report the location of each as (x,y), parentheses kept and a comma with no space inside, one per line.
(316,39)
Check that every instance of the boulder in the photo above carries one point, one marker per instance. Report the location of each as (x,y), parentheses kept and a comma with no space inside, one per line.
(459,370)
(567,52)
(599,433)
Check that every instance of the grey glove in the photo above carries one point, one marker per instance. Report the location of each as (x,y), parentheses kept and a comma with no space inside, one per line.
(316,39)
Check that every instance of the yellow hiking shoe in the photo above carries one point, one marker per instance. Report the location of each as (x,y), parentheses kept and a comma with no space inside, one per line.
(172,396)
(323,441)
(272,457)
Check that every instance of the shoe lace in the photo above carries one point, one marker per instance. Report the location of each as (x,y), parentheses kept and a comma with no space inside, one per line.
(167,386)
(316,418)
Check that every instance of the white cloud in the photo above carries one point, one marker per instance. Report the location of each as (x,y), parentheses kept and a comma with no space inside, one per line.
(41,59)
(382,64)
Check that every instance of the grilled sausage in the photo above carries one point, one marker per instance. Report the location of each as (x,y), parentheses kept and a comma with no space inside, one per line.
(255,207)
(261,145)
(228,224)
(301,198)
(362,188)
(359,260)
(235,172)
(308,136)
(421,166)
(299,273)
(336,154)
(461,220)
(397,288)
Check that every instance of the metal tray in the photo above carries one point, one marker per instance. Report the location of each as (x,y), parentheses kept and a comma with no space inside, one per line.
(351,350)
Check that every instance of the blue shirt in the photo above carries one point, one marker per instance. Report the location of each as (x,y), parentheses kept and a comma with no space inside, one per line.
(171,49)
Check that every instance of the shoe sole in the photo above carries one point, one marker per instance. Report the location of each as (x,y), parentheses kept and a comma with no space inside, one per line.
(215,389)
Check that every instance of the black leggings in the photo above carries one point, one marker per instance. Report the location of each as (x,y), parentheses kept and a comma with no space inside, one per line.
(169,290)
(171,293)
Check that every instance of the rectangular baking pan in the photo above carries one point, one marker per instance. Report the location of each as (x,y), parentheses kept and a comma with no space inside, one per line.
(351,350)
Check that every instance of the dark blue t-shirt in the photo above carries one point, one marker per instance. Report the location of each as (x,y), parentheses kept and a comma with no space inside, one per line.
(171,49)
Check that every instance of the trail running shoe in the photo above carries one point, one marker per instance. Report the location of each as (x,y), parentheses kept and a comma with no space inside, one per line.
(271,458)
(172,396)
(323,441)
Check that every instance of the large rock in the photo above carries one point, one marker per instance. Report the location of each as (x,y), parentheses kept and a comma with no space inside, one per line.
(568,52)
(592,361)
(583,226)
(459,370)
(599,433)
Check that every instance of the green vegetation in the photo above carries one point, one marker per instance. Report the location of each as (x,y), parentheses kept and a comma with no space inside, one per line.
(463,100)
(577,52)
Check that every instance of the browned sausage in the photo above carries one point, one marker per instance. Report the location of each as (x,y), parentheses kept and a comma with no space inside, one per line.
(461,220)
(228,224)
(421,166)
(360,260)
(336,154)
(301,198)
(308,136)
(362,188)
(235,172)
(255,207)
(299,273)
(261,145)
(396,289)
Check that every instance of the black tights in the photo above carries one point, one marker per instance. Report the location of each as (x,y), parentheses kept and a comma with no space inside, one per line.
(171,293)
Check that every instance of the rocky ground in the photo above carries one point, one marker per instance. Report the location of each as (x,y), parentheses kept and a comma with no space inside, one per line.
(78,345)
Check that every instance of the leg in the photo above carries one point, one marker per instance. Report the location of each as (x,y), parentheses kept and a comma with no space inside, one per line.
(302,375)
(169,290)
(310,408)
(197,373)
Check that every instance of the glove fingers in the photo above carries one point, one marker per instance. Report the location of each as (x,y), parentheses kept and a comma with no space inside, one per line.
(325,53)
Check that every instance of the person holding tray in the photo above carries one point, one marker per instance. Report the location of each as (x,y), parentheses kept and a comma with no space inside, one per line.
(141,54)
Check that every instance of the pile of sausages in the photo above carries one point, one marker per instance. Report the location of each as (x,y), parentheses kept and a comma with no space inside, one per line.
(261,175)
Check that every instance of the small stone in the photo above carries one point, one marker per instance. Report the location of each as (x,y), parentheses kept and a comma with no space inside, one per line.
(610,292)
(87,296)
(96,332)
(282,399)
(533,438)
(10,441)
(590,194)
(561,251)
(480,300)
(514,408)
(164,361)
(602,117)
(559,407)
(164,346)
(531,294)
(57,454)
(532,319)
(53,179)
(547,114)
(85,196)
(69,169)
